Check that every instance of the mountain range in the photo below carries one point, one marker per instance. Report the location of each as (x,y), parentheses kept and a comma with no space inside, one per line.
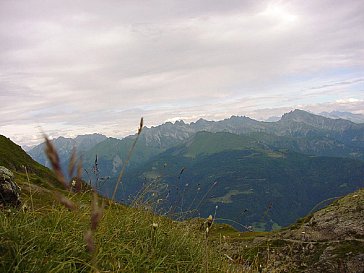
(65,147)
(260,174)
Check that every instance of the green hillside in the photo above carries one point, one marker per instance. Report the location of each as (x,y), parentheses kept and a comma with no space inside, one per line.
(250,183)
(208,143)
(111,154)
(13,157)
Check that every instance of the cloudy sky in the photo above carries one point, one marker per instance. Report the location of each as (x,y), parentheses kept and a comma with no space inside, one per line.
(75,67)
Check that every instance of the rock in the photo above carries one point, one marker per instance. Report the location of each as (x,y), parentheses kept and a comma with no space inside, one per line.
(9,190)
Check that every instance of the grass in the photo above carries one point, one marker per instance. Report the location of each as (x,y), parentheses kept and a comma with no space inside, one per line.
(50,238)
(63,231)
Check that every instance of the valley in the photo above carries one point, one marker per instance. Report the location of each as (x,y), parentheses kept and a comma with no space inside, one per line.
(260,175)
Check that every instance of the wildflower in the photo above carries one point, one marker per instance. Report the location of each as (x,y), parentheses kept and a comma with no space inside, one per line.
(24,208)
(209,221)
(155,225)
(207,225)
(55,162)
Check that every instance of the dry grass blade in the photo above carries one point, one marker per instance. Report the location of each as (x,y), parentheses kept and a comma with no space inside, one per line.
(207,192)
(72,163)
(89,240)
(65,201)
(127,159)
(96,215)
(53,157)
(141,126)
(79,169)
(96,212)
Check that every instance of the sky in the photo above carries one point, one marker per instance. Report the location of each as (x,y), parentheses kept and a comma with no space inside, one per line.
(78,67)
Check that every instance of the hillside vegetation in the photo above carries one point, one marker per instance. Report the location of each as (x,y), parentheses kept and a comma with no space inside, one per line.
(46,235)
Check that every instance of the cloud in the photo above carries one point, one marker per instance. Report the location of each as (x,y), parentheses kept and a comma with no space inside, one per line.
(91,65)
(346,101)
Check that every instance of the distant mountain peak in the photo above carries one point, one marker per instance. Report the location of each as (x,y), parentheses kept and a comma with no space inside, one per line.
(201,119)
(91,135)
(296,113)
(305,122)
(273,119)
(179,122)
(238,117)
(357,118)
(201,122)
(299,115)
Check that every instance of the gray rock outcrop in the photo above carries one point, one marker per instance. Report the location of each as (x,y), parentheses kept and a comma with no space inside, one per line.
(9,190)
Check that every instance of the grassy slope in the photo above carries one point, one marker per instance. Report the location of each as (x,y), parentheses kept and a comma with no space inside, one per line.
(50,239)
(47,237)
(110,149)
(13,157)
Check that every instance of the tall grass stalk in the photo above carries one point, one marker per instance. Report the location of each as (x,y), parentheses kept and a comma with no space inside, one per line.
(30,189)
(119,181)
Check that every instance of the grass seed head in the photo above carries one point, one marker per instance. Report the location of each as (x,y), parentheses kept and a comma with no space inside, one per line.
(53,157)
(96,212)
(65,201)
(140,126)
(72,163)
(89,240)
